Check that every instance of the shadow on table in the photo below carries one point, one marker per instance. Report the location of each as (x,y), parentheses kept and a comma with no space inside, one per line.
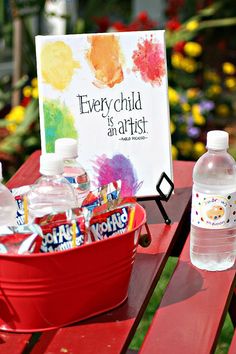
(188,282)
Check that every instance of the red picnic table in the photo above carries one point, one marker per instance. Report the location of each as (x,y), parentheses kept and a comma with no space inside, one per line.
(192,311)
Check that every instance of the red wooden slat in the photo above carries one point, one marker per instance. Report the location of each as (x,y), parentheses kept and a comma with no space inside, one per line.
(27,173)
(112,332)
(232,308)
(12,343)
(192,310)
(232,348)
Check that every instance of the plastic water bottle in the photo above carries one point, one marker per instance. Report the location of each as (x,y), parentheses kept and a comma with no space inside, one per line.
(8,206)
(51,192)
(213,217)
(67,148)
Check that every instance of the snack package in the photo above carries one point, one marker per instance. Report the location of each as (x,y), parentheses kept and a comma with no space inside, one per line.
(62,231)
(117,220)
(102,195)
(19,193)
(24,239)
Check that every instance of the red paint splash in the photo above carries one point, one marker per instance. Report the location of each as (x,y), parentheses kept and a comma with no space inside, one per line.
(149,60)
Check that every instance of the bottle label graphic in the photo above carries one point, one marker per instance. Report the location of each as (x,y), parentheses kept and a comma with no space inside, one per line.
(213,211)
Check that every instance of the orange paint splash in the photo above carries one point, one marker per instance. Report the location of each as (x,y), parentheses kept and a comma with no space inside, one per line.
(105,59)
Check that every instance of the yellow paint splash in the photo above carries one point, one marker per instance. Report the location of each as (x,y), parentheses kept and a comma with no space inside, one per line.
(105,59)
(57,64)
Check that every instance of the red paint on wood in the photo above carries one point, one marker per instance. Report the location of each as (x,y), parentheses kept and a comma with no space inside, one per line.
(232,348)
(27,173)
(13,343)
(192,310)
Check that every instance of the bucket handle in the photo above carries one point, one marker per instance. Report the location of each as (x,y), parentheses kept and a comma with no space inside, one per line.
(146,238)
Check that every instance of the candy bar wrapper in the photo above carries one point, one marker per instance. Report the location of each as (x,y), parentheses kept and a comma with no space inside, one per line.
(62,231)
(102,195)
(24,239)
(18,194)
(112,222)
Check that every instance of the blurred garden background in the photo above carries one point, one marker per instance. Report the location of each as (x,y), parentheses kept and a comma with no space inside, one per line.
(201,59)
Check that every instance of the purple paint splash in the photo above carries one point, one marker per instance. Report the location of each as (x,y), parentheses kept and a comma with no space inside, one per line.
(117,167)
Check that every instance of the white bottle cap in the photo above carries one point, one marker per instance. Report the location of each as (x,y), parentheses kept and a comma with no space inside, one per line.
(51,164)
(66,148)
(0,171)
(217,140)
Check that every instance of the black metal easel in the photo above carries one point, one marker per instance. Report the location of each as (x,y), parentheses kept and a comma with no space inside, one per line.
(162,196)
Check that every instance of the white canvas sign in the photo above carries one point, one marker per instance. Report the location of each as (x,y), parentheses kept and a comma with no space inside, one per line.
(108,91)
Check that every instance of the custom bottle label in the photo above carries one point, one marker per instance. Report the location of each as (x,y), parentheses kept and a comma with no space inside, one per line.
(213,211)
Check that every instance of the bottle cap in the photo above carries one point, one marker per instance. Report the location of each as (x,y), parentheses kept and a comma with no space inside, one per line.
(0,171)
(51,164)
(217,140)
(66,148)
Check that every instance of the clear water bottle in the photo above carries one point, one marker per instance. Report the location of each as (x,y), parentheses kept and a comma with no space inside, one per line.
(51,192)
(8,206)
(213,216)
(67,148)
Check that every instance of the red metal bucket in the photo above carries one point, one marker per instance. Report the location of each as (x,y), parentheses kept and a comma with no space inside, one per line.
(49,290)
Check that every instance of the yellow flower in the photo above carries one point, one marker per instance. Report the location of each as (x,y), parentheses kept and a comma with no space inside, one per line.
(198,149)
(172,127)
(27,91)
(185,147)
(173,96)
(35,93)
(189,65)
(214,90)
(11,127)
(198,118)
(192,25)
(34,82)
(196,109)
(228,68)
(15,117)
(230,83)
(186,107)
(174,152)
(192,93)
(193,49)
(222,110)
(176,60)
(17,114)
(212,76)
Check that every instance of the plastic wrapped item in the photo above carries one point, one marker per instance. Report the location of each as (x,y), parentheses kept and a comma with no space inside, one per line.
(111,223)
(62,231)
(8,205)
(19,194)
(102,195)
(24,239)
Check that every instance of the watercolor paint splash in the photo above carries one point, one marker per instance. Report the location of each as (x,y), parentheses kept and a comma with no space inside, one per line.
(106,59)
(58,122)
(118,167)
(57,64)
(149,61)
